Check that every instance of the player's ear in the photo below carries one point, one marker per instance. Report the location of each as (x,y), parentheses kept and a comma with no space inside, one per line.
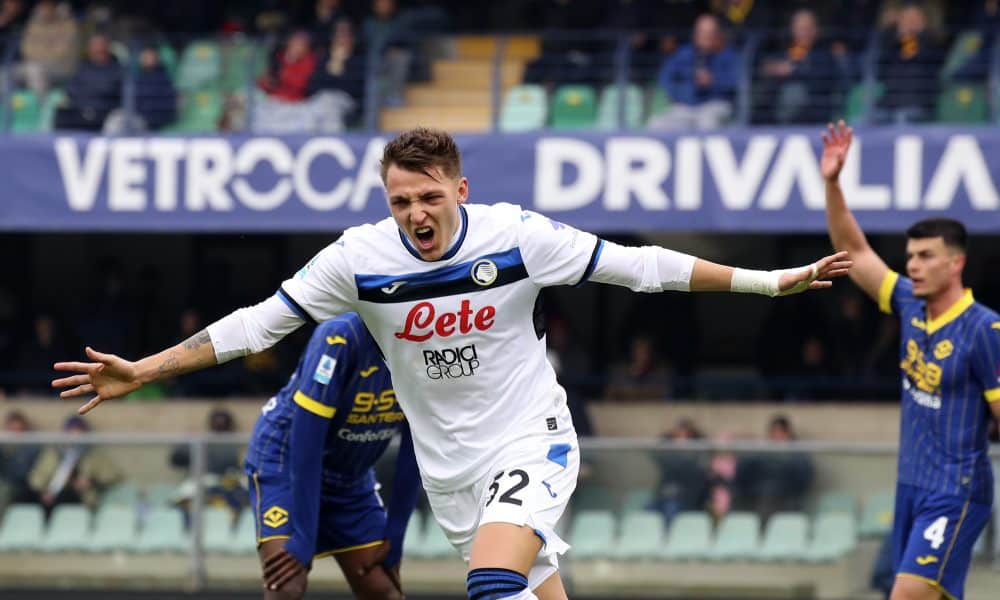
(463,190)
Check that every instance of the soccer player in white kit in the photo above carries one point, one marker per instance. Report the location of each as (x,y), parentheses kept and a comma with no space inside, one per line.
(449,292)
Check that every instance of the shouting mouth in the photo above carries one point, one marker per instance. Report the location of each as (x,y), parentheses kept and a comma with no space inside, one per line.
(424,236)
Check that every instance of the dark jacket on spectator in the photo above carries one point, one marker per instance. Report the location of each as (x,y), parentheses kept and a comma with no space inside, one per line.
(677,75)
(96,87)
(909,68)
(816,74)
(350,79)
(155,97)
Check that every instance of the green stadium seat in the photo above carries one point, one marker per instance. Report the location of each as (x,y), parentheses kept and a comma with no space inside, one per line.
(47,112)
(126,493)
(25,112)
(689,537)
(785,537)
(524,108)
(200,66)
(22,527)
(836,501)
(594,497)
(641,536)
(658,102)
(834,535)
(68,530)
(168,58)
(244,540)
(217,529)
(574,107)
(636,500)
(963,103)
(199,111)
(738,537)
(876,514)
(116,527)
(607,109)
(856,105)
(242,62)
(414,535)
(161,494)
(965,48)
(593,534)
(435,543)
(163,532)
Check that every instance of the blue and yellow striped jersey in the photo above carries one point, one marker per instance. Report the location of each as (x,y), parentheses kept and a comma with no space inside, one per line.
(951,371)
(341,376)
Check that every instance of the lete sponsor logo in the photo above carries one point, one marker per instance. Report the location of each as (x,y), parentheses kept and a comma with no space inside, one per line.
(424,322)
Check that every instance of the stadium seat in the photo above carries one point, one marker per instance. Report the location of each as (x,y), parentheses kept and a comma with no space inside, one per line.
(242,62)
(524,108)
(856,105)
(607,109)
(785,537)
(876,515)
(963,103)
(22,528)
(217,529)
(163,532)
(435,543)
(641,536)
(574,107)
(831,502)
(168,58)
(244,540)
(637,499)
(689,537)
(160,494)
(115,528)
(964,49)
(738,537)
(25,113)
(593,534)
(200,66)
(412,543)
(199,111)
(126,493)
(834,535)
(658,102)
(47,112)
(594,497)
(68,530)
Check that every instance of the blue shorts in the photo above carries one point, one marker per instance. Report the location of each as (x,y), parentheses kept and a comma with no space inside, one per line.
(933,535)
(350,517)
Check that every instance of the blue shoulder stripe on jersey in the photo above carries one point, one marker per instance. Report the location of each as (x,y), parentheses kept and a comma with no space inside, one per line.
(462,278)
(295,306)
(594,257)
(451,251)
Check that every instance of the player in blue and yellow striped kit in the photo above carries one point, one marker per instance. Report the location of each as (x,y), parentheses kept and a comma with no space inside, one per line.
(950,363)
(310,468)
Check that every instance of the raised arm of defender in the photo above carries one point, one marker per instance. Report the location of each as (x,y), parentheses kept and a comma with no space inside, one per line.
(869,269)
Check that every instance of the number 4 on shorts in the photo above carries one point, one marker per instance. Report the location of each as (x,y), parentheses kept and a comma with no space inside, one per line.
(935,532)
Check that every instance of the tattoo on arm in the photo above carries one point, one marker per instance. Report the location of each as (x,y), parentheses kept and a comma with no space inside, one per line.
(197,340)
(169,367)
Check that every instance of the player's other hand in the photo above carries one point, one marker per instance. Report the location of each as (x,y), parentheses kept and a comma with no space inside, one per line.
(836,143)
(108,377)
(280,568)
(815,276)
(377,559)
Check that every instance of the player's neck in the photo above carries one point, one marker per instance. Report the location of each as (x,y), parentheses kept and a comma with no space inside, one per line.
(940,303)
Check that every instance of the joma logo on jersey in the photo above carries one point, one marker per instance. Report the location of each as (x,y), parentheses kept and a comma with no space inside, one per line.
(423,321)
(943,349)
(451,363)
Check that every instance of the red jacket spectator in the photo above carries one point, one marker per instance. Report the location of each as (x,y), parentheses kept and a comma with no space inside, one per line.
(289,76)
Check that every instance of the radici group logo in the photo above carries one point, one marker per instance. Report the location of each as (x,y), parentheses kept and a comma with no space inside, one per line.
(451,363)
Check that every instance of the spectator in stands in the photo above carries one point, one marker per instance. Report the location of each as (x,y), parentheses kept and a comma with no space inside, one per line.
(739,16)
(49,47)
(221,459)
(683,483)
(16,463)
(73,473)
(155,98)
(722,482)
(325,18)
(341,71)
(94,90)
(909,65)
(36,357)
(288,77)
(776,482)
(386,30)
(643,377)
(12,16)
(799,82)
(700,79)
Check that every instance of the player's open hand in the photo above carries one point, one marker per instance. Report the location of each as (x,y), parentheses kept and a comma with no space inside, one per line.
(815,276)
(280,568)
(836,143)
(108,377)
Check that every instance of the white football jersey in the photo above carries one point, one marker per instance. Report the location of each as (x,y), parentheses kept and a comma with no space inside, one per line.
(460,334)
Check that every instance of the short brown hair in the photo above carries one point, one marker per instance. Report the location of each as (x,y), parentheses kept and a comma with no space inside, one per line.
(421,149)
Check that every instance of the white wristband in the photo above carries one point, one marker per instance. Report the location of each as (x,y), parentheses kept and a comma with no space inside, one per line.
(746,281)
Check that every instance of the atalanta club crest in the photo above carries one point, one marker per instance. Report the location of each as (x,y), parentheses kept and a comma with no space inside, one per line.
(485,272)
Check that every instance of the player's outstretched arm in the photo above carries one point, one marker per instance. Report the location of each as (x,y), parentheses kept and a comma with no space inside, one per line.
(869,269)
(707,276)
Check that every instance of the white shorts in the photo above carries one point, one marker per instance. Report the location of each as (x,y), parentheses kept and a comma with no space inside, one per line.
(530,483)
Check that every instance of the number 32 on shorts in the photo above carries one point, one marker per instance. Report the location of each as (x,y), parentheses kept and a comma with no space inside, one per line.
(935,532)
(516,481)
